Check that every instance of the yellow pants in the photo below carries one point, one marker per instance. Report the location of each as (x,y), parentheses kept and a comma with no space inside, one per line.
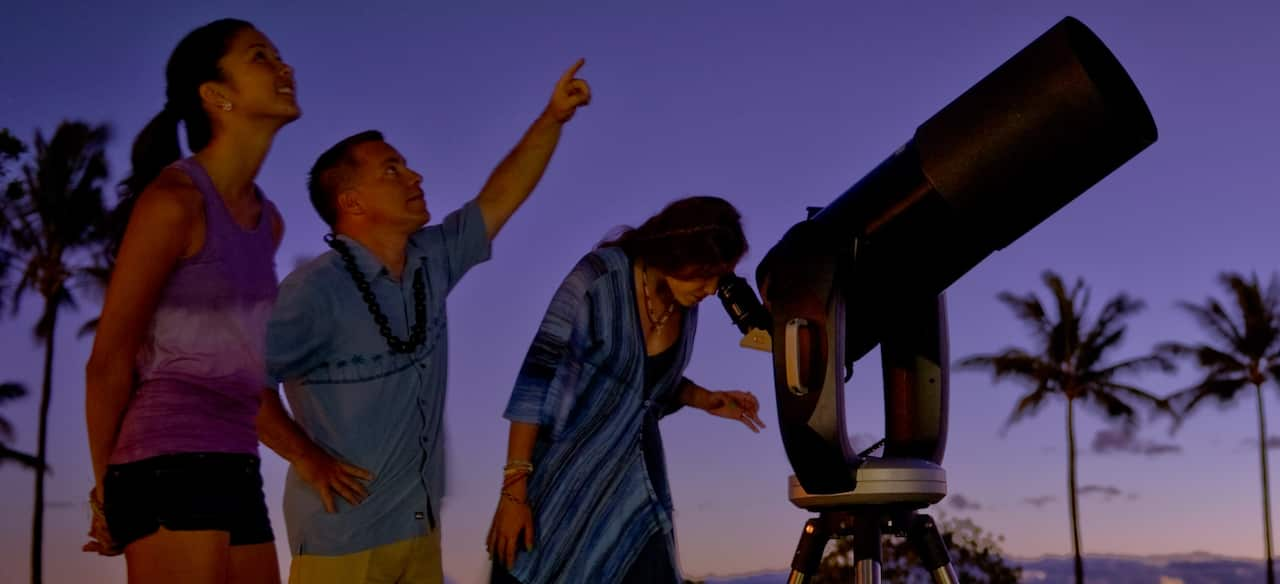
(409,561)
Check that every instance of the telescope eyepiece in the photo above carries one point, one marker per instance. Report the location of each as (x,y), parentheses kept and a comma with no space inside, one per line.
(741,303)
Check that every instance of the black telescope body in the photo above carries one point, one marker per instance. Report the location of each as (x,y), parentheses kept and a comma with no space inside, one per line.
(871,267)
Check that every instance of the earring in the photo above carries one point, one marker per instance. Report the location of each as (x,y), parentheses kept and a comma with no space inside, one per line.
(226,106)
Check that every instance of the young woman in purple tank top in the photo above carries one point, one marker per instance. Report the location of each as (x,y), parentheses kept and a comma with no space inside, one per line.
(176,371)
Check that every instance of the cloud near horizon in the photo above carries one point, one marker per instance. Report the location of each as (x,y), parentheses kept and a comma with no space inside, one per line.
(1273,442)
(1108,492)
(1040,501)
(1119,440)
(962,503)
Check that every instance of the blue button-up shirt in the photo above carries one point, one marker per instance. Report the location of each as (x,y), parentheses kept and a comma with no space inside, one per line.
(365,405)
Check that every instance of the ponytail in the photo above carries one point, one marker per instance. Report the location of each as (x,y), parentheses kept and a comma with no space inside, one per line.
(155,148)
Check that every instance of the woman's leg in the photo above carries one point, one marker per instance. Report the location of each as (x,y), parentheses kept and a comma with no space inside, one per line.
(191,557)
(253,548)
(254,564)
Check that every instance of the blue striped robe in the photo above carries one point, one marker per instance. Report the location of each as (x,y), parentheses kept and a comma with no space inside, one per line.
(582,381)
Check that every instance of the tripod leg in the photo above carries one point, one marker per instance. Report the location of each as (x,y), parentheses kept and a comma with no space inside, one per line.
(866,550)
(923,535)
(808,556)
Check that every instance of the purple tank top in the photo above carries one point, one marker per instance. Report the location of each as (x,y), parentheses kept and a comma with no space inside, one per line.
(200,369)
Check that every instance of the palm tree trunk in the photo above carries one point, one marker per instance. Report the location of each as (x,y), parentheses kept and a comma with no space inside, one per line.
(1071,491)
(1266,488)
(37,521)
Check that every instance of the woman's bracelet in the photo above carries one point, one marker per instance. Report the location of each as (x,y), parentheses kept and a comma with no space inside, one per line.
(508,496)
(96,505)
(513,478)
(516,466)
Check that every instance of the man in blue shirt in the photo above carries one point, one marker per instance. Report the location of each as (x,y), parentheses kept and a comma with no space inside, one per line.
(358,336)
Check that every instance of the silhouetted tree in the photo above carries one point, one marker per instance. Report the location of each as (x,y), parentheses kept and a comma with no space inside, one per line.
(1069,361)
(53,230)
(1244,352)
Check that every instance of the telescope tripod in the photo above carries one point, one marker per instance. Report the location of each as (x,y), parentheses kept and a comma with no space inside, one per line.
(867,525)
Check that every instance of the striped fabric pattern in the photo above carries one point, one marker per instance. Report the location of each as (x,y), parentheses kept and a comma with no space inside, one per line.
(594,503)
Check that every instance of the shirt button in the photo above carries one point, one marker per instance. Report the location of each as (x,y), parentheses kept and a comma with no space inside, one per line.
(647,403)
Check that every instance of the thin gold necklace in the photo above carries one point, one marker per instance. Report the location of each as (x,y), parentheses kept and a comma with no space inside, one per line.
(648,308)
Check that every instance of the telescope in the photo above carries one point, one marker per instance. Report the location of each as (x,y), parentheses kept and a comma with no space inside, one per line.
(871,269)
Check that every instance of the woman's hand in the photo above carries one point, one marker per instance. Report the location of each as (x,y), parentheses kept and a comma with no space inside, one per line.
(735,405)
(512,522)
(100,536)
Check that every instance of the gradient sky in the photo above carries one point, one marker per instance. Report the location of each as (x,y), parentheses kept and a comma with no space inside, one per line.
(776,107)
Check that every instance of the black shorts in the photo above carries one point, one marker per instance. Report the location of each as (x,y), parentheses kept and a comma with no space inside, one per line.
(187,492)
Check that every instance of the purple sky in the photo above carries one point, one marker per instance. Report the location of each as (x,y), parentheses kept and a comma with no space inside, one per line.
(775,109)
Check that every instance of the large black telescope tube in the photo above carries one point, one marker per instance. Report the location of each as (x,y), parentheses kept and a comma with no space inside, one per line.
(1027,139)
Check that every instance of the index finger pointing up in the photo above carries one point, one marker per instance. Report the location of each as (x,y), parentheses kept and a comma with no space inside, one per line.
(572,71)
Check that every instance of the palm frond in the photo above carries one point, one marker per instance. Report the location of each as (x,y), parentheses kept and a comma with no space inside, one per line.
(1107,333)
(22,458)
(1260,330)
(1138,394)
(1110,405)
(12,390)
(1030,311)
(10,148)
(1205,356)
(1155,362)
(8,392)
(1012,363)
(1214,319)
(1027,406)
(25,233)
(26,283)
(1094,349)
(1221,388)
(1065,336)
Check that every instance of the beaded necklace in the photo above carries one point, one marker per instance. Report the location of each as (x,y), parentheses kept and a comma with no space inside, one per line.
(418,334)
(648,308)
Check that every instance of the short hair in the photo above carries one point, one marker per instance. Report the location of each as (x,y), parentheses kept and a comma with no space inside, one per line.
(332,171)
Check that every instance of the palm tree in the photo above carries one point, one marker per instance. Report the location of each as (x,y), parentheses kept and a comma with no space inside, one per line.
(52,234)
(1247,354)
(1069,361)
(8,392)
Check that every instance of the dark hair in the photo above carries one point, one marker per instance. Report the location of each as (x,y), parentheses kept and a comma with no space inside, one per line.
(193,62)
(332,171)
(690,237)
